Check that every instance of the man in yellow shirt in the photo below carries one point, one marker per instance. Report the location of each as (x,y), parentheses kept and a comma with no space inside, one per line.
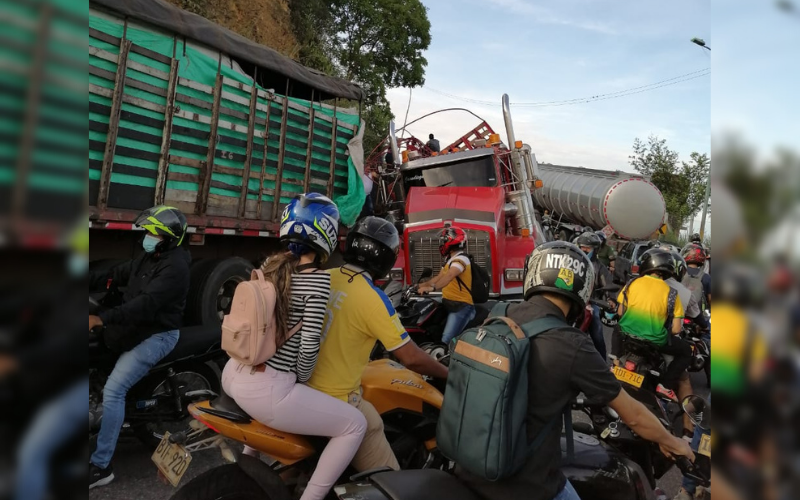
(359,314)
(650,310)
(455,282)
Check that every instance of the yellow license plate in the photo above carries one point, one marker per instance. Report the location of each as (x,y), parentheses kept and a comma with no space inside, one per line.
(628,376)
(172,460)
(705,445)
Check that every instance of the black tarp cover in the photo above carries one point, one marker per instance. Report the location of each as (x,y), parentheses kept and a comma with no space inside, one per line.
(302,79)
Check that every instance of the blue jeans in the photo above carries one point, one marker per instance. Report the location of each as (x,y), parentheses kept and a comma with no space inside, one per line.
(456,322)
(568,493)
(58,421)
(131,367)
(596,332)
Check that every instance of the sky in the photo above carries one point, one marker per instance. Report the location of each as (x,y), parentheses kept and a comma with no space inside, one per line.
(556,50)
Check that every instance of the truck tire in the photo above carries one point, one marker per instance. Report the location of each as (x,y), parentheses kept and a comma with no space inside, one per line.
(212,285)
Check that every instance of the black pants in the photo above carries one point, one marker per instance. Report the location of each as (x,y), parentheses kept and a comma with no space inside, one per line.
(682,351)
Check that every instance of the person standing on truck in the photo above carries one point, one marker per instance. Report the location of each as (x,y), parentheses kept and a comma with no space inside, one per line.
(455,282)
(589,243)
(433,144)
(563,363)
(144,328)
(274,393)
(606,253)
(359,314)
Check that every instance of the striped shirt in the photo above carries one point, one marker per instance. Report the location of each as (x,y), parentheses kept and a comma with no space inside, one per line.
(310,293)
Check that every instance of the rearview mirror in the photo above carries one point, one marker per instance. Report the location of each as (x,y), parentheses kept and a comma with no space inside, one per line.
(698,410)
(426,273)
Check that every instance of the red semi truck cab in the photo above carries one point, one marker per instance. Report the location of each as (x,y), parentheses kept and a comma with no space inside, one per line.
(478,184)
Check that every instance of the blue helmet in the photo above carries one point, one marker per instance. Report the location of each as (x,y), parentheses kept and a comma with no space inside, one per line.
(310,222)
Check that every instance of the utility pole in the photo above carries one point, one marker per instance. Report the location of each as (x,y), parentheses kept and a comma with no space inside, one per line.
(705,205)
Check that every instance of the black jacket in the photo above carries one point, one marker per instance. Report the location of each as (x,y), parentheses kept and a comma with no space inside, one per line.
(602,276)
(153,302)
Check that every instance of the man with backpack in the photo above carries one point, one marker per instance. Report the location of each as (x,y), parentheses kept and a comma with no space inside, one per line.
(455,281)
(552,363)
(144,328)
(696,279)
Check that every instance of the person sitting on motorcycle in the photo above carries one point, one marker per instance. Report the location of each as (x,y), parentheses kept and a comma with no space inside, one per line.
(650,311)
(455,282)
(144,328)
(606,253)
(563,363)
(360,314)
(589,243)
(695,257)
(693,301)
(275,393)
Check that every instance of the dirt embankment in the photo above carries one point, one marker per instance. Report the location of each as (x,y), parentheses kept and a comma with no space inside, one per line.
(264,21)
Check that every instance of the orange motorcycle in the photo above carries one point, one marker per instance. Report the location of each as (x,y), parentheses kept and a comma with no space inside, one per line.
(408,404)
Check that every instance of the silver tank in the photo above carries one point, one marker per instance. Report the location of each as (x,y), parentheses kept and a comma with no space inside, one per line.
(630,204)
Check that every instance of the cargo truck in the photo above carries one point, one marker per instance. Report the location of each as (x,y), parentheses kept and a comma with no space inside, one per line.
(186,113)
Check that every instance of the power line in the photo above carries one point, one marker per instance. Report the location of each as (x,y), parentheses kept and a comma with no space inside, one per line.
(582,100)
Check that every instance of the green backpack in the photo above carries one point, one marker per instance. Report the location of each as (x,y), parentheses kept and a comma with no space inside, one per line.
(482,423)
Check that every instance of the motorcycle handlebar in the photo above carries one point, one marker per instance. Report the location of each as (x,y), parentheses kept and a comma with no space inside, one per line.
(691,471)
(602,304)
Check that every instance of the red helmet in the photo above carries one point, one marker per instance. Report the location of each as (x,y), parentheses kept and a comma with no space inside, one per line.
(694,254)
(451,238)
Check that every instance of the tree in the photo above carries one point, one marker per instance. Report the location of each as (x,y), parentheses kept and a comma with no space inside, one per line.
(683,186)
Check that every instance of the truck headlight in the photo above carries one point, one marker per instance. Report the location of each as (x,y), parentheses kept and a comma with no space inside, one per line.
(397,274)
(514,274)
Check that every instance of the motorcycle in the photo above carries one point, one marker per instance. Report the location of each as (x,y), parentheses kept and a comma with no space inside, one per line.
(600,470)
(157,404)
(701,349)
(407,403)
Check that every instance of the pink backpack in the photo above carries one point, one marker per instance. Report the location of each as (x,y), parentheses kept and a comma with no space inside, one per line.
(249,331)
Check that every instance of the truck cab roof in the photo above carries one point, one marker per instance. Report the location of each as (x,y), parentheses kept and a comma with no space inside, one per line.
(444,159)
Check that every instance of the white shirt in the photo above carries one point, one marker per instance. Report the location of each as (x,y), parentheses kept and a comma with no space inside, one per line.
(367,184)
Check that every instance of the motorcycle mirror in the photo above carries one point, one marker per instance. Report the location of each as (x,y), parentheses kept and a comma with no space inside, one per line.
(426,273)
(698,410)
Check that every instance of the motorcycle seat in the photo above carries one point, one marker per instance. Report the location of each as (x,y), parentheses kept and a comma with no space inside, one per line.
(194,340)
(424,484)
(225,407)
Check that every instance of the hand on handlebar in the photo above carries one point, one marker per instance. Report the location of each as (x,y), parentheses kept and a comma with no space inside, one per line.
(94,322)
(676,447)
(424,289)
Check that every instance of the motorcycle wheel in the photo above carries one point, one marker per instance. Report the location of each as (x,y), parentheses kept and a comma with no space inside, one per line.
(434,350)
(190,377)
(230,482)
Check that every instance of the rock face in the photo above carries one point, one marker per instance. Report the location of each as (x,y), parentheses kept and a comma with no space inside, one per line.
(266,22)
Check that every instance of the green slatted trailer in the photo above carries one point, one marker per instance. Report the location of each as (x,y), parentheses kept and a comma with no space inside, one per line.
(186,113)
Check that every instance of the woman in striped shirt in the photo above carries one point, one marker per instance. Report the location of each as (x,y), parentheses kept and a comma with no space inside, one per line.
(274,393)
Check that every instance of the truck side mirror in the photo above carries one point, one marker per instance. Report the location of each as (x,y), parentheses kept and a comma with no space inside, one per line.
(426,273)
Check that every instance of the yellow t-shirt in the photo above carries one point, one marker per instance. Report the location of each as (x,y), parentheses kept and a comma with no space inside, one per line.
(645,314)
(359,314)
(730,330)
(455,291)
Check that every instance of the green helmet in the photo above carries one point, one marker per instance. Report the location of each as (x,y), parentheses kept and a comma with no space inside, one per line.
(168,222)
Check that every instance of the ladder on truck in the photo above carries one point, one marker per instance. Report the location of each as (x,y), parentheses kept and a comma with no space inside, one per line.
(467,141)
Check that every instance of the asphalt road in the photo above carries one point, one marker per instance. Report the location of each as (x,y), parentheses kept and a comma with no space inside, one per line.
(137,477)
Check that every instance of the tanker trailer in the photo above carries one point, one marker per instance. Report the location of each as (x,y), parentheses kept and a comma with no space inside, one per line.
(576,197)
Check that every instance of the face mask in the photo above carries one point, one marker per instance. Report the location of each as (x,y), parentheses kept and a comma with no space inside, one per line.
(78,265)
(150,243)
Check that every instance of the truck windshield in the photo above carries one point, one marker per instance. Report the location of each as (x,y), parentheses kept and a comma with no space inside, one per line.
(475,172)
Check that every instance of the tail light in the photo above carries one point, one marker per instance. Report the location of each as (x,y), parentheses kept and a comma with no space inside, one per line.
(634,268)
(630,366)
(686,321)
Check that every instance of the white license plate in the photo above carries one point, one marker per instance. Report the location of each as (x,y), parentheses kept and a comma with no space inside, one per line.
(172,460)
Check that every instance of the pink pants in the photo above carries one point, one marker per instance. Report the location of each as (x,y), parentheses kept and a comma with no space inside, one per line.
(275,399)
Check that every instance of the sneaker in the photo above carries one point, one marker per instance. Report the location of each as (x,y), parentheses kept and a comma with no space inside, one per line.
(99,477)
(683,495)
(667,393)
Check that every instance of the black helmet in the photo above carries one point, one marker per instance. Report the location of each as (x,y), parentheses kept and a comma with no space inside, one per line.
(657,260)
(562,268)
(589,239)
(695,238)
(601,235)
(372,244)
(739,285)
(168,222)
(680,266)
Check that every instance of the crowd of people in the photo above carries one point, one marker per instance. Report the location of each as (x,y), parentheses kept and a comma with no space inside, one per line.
(329,321)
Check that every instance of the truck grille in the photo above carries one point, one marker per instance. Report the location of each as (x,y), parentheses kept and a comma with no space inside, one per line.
(424,251)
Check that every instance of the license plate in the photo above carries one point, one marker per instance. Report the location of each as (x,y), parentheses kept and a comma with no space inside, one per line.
(705,445)
(172,460)
(628,376)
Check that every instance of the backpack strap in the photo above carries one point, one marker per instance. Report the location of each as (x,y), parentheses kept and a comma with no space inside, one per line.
(541,325)
(499,309)
(566,416)
(515,329)
(671,299)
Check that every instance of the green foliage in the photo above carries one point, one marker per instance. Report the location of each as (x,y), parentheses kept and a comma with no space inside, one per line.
(682,184)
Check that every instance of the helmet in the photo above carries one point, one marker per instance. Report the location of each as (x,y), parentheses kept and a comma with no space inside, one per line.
(695,238)
(694,254)
(680,266)
(310,222)
(451,238)
(738,285)
(561,268)
(589,239)
(657,260)
(164,221)
(373,244)
(601,235)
